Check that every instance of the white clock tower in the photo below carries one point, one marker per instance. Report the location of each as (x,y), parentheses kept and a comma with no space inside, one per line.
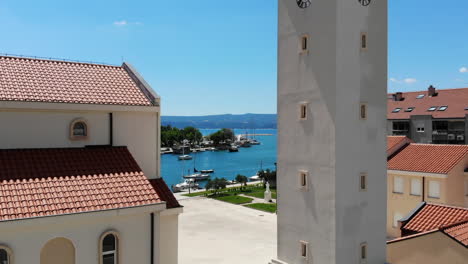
(332,80)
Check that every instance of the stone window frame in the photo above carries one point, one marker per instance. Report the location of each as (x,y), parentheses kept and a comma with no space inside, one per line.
(9,252)
(304,249)
(72,125)
(303,180)
(363,253)
(117,248)
(363,111)
(304,43)
(363,175)
(303,111)
(364,41)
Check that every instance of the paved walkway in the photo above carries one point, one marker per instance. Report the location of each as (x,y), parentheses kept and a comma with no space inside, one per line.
(215,232)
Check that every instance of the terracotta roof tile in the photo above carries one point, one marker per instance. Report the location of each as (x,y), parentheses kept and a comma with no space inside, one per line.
(434,216)
(458,231)
(35,80)
(455,99)
(45,182)
(393,141)
(429,158)
(164,193)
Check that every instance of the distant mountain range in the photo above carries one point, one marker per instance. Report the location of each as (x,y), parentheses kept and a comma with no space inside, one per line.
(222,121)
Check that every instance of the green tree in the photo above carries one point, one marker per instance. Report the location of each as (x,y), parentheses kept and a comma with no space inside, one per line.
(216,184)
(242,180)
(192,134)
(172,135)
(267,176)
(223,135)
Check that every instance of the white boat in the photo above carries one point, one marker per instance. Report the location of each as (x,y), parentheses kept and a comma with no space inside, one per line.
(207,171)
(185,157)
(254,178)
(185,185)
(198,176)
(254,142)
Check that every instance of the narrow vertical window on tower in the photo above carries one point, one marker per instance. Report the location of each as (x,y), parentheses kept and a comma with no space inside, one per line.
(363,41)
(304,249)
(363,111)
(303,180)
(363,182)
(363,253)
(303,111)
(304,44)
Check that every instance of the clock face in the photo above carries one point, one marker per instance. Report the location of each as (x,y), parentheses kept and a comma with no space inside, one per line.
(364,2)
(303,3)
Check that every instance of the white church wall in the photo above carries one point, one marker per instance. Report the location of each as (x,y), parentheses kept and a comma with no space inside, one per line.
(27,237)
(51,129)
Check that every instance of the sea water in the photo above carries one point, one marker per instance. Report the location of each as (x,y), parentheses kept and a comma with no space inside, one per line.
(228,165)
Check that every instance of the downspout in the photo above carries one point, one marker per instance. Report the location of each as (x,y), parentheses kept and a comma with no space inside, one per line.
(152,239)
(423,189)
(111,129)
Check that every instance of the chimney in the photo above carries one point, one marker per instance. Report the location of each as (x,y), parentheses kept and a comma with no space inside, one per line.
(399,96)
(431,91)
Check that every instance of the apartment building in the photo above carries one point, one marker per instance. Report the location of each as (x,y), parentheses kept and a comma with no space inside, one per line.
(432,116)
(425,173)
(431,234)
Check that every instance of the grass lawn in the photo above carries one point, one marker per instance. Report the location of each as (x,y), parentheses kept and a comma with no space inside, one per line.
(270,207)
(234,199)
(260,193)
(249,189)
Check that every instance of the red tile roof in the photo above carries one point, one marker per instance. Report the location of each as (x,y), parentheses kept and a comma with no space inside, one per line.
(434,216)
(455,99)
(45,182)
(35,80)
(428,158)
(395,143)
(458,231)
(164,193)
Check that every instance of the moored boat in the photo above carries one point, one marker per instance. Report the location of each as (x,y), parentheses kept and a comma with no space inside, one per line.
(185,185)
(198,176)
(185,157)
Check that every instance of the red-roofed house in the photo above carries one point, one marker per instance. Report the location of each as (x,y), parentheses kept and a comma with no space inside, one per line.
(79,166)
(425,173)
(432,116)
(395,143)
(432,234)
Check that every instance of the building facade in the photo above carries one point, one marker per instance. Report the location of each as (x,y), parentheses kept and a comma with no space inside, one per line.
(80,179)
(432,116)
(433,234)
(331,131)
(425,173)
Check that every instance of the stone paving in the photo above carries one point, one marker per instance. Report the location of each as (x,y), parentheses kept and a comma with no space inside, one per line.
(215,232)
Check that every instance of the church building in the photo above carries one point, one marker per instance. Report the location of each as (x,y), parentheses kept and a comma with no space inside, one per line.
(80,166)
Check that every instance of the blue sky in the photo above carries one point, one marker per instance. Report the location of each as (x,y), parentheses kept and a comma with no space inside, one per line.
(215,57)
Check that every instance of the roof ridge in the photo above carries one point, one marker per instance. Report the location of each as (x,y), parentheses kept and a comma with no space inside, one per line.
(68,148)
(68,61)
(425,91)
(440,145)
(446,205)
(464,221)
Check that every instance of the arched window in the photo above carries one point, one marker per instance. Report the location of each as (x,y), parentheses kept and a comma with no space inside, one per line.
(109,248)
(78,129)
(5,255)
